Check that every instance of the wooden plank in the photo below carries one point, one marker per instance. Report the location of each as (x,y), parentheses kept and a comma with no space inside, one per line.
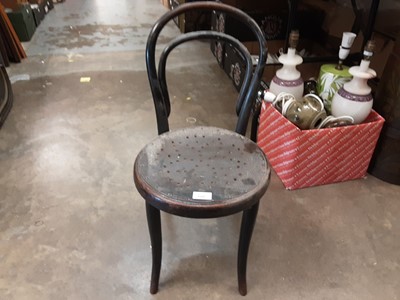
(12,52)
(16,51)
(3,51)
(14,35)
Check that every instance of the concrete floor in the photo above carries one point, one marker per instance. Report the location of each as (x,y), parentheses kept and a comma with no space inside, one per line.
(72,225)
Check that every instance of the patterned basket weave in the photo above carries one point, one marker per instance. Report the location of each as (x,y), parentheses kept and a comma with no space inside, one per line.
(304,158)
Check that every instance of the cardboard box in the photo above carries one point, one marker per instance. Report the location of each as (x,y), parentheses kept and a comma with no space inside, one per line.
(338,17)
(249,5)
(45,5)
(273,25)
(234,64)
(50,4)
(165,3)
(218,50)
(383,47)
(304,158)
(13,4)
(38,14)
(191,20)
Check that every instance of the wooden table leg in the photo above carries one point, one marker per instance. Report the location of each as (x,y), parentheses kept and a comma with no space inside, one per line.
(154,223)
(246,230)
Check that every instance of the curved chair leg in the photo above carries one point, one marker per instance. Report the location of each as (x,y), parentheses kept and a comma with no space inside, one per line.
(246,230)
(154,223)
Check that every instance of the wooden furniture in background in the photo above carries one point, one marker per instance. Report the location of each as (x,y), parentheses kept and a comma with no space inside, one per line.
(12,50)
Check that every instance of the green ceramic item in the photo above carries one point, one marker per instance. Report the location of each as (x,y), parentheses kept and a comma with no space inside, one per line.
(330,80)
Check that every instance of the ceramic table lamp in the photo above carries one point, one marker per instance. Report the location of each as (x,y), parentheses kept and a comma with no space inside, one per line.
(354,98)
(288,79)
(332,77)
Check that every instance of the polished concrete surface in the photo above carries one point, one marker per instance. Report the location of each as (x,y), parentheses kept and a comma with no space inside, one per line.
(72,225)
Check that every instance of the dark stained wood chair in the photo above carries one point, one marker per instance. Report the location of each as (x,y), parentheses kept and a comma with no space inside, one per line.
(201,171)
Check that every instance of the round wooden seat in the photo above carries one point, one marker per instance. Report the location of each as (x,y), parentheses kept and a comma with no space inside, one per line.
(201,172)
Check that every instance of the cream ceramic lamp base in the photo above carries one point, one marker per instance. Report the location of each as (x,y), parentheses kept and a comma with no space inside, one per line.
(358,107)
(354,99)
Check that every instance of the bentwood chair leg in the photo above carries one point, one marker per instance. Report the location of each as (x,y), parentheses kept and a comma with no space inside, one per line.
(154,223)
(246,230)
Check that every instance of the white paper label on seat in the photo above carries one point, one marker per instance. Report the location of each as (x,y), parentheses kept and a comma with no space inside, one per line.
(202,196)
